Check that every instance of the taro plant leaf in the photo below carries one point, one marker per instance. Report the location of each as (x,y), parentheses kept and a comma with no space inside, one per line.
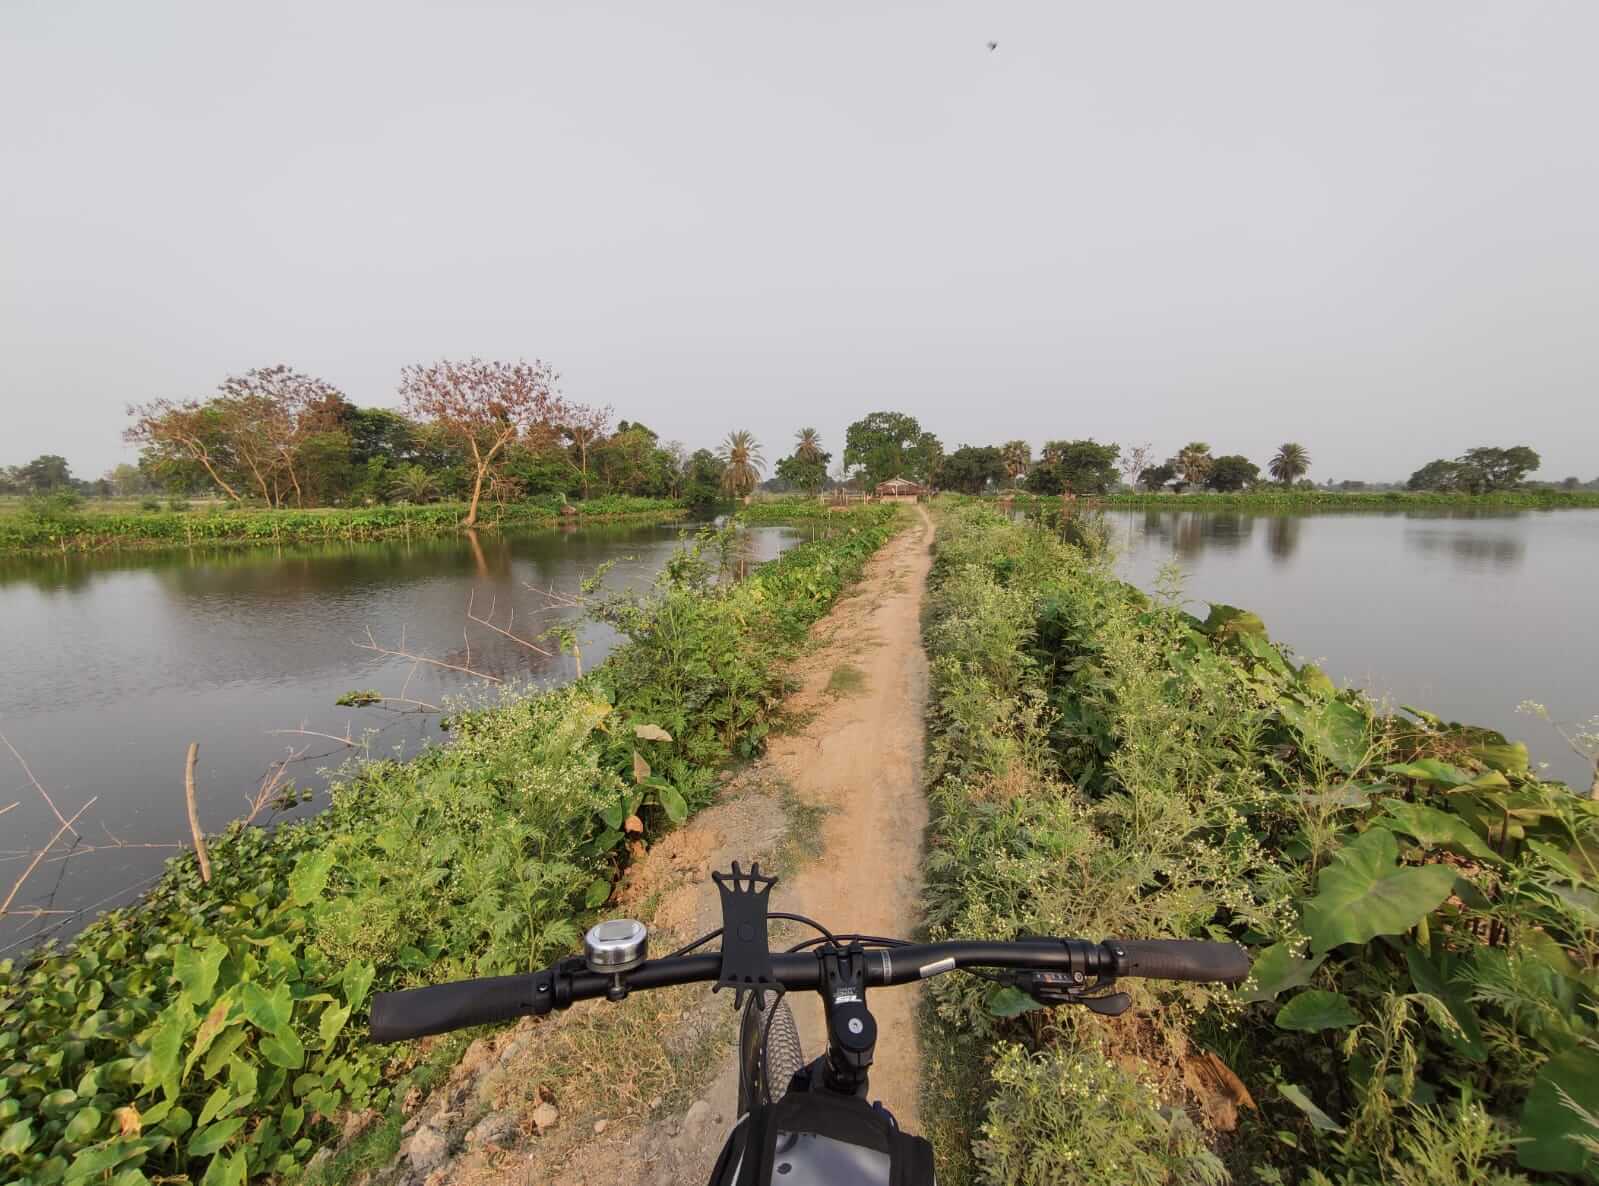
(641,768)
(1316,682)
(284,1049)
(84,1124)
(598,891)
(1508,757)
(1316,1009)
(1276,969)
(215,1022)
(614,815)
(196,969)
(1364,893)
(1226,622)
(310,875)
(1319,1120)
(651,733)
(1437,829)
(166,1044)
(1009,1001)
(1553,1125)
(212,1137)
(672,801)
(232,1170)
(268,1012)
(332,1021)
(1334,730)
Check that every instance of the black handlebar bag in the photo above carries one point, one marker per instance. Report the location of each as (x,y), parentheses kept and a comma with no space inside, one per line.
(819,1139)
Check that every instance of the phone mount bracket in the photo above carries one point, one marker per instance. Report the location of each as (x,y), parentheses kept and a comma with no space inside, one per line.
(746,954)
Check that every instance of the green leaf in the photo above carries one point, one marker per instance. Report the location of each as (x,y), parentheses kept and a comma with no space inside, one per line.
(1319,1120)
(166,1044)
(1276,969)
(1506,757)
(1010,1002)
(1437,829)
(674,803)
(1434,981)
(222,1050)
(214,1104)
(16,1139)
(332,1021)
(1550,1127)
(215,1022)
(357,979)
(598,892)
(231,1170)
(310,876)
(1316,1009)
(267,1011)
(284,1049)
(1334,730)
(1363,893)
(196,969)
(614,815)
(1226,622)
(83,1125)
(208,1140)
(293,1116)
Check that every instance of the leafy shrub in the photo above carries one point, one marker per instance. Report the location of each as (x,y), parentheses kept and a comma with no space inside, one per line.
(1421,904)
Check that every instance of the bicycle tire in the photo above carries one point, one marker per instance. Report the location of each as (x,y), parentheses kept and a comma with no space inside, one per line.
(769,1050)
(785,1058)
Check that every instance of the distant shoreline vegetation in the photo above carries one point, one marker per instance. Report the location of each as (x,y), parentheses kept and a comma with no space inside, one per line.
(1325,500)
(71,529)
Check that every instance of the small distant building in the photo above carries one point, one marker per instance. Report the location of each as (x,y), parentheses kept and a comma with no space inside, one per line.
(900,490)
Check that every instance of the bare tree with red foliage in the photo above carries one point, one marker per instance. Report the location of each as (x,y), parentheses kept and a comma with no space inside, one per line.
(484,405)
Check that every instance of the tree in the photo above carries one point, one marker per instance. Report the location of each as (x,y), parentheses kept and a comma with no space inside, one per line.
(46,473)
(1134,462)
(806,473)
(970,469)
(584,427)
(1290,463)
(412,483)
(808,446)
(1193,462)
(1232,472)
(1017,457)
(1157,477)
(702,479)
(740,455)
(1477,471)
(177,437)
(128,479)
(890,445)
(483,405)
(1076,467)
(268,414)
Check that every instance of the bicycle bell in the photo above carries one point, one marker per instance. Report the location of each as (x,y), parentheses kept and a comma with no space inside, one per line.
(613,947)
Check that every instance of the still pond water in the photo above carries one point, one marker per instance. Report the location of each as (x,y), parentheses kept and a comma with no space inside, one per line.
(1463,613)
(114,663)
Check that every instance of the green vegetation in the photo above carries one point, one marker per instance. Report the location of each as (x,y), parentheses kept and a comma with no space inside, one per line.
(215,1031)
(845,680)
(1420,905)
(1269,499)
(61,525)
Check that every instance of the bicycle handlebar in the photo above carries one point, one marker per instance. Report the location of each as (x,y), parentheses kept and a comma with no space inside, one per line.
(418,1012)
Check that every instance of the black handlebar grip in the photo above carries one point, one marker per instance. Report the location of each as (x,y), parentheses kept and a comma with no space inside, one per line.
(417,1012)
(1181,959)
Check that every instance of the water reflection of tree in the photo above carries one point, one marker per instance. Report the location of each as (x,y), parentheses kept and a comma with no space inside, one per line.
(1282,535)
(1470,550)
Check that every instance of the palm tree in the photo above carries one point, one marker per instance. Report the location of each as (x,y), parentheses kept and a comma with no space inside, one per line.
(1016,457)
(414,484)
(1194,462)
(1290,464)
(808,445)
(741,454)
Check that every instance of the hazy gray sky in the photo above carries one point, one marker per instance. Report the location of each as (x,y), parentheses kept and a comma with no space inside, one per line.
(1373,228)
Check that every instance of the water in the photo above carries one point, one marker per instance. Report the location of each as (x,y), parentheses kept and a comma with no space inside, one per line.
(1463,613)
(113,663)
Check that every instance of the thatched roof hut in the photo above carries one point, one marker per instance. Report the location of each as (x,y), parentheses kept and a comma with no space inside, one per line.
(900,490)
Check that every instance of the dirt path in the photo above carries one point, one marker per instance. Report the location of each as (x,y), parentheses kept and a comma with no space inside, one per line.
(837,805)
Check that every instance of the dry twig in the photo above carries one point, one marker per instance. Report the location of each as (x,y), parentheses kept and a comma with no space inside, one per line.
(43,793)
(66,826)
(194,814)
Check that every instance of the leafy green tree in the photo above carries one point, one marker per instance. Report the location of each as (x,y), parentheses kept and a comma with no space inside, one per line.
(1076,467)
(412,483)
(808,446)
(740,455)
(1157,477)
(128,479)
(804,473)
(702,479)
(1193,462)
(1477,471)
(1437,475)
(1232,472)
(46,473)
(1290,463)
(887,445)
(970,469)
(631,461)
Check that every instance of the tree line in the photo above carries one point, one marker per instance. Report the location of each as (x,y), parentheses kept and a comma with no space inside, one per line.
(474,430)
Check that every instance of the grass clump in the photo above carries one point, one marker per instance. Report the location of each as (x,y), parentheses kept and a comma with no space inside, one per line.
(845,680)
(1418,901)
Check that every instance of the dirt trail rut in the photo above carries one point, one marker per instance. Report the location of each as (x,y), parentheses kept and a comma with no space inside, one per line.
(855,766)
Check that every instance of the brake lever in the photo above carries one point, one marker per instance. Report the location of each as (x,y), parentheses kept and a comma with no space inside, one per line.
(1072,988)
